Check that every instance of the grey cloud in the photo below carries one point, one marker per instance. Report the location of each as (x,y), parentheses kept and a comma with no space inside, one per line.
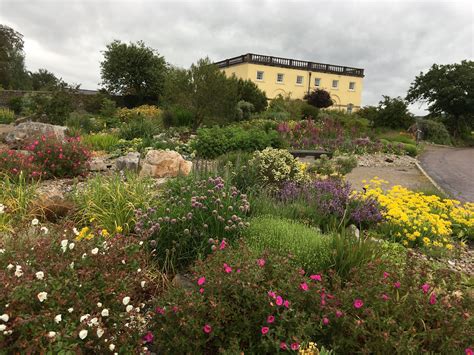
(392,40)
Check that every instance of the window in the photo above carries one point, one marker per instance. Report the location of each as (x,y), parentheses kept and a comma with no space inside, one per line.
(349,108)
(335,84)
(280,77)
(299,80)
(317,81)
(352,86)
(259,75)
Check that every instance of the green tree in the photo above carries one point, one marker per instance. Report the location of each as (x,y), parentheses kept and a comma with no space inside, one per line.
(319,98)
(44,80)
(449,91)
(393,113)
(13,74)
(248,91)
(133,69)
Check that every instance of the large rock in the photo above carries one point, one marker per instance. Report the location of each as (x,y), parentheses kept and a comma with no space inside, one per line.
(163,163)
(100,164)
(30,130)
(5,129)
(129,162)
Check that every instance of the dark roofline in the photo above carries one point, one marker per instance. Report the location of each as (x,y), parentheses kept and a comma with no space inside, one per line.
(290,63)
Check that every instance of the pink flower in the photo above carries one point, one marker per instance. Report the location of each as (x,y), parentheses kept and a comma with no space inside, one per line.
(385,274)
(302,272)
(201,290)
(207,328)
(279,300)
(270,319)
(358,303)
(385,297)
(469,351)
(261,262)
(339,314)
(316,277)
(283,346)
(271,294)
(304,286)
(227,268)
(286,304)
(160,310)
(295,346)
(325,321)
(433,298)
(396,284)
(201,281)
(425,288)
(265,330)
(148,338)
(223,245)
(238,271)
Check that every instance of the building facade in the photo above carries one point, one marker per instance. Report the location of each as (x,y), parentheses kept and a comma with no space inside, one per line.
(295,78)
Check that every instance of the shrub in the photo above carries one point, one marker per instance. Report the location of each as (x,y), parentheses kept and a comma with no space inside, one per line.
(101,141)
(307,246)
(433,131)
(108,108)
(309,112)
(16,104)
(410,149)
(14,163)
(191,218)
(244,110)
(58,107)
(57,158)
(145,111)
(7,116)
(319,98)
(339,165)
(65,296)
(177,117)
(393,113)
(84,123)
(257,303)
(138,127)
(110,201)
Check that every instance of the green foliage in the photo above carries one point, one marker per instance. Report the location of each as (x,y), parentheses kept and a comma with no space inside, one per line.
(284,108)
(7,116)
(248,91)
(309,112)
(138,127)
(13,74)
(448,90)
(177,116)
(133,69)
(108,108)
(44,80)
(307,246)
(244,110)
(83,123)
(319,98)
(393,113)
(215,141)
(102,141)
(397,137)
(110,201)
(339,165)
(16,104)
(410,149)
(433,131)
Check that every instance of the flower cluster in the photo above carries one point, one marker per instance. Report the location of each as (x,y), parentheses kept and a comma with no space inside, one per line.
(416,219)
(13,163)
(146,111)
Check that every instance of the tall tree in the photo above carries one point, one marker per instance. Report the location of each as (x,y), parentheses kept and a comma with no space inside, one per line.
(13,74)
(44,80)
(319,98)
(449,91)
(393,113)
(133,69)
(248,91)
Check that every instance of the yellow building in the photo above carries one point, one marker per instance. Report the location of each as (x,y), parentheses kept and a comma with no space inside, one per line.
(282,76)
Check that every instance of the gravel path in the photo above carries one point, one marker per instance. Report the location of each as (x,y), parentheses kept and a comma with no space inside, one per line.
(452,169)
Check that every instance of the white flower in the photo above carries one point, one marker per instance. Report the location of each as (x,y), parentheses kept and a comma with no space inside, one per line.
(58,318)
(139,270)
(64,244)
(70,310)
(2,251)
(141,243)
(34,222)
(10,266)
(129,308)
(40,275)
(75,231)
(99,304)
(2,327)
(93,322)
(95,251)
(142,284)
(105,312)
(8,332)
(111,347)
(5,317)
(42,296)
(137,309)
(125,300)
(123,261)
(71,265)
(84,255)
(18,271)
(51,334)
(100,332)
(2,208)
(83,333)
(71,246)
(44,230)
(85,316)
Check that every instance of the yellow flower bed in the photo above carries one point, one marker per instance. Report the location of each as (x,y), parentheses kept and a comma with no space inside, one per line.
(147,111)
(417,219)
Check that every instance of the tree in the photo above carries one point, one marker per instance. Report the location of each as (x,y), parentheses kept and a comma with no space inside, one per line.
(319,98)
(13,74)
(133,69)
(449,91)
(44,80)
(248,91)
(393,113)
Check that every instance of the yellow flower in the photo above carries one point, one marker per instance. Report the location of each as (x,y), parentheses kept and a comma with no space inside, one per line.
(119,229)
(104,233)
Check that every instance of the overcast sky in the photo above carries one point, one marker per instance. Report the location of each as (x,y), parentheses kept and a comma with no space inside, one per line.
(392,40)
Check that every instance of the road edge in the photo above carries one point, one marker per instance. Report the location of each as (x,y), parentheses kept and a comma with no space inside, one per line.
(432,181)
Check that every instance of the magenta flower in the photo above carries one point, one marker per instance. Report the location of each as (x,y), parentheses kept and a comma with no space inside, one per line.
(207,328)
(316,277)
(283,346)
(385,297)
(270,319)
(223,245)
(265,330)
(425,288)
(358,303)
(339,314)
(433,298)
(385,274)
(201,281)
(396,284)
(286,304)
(469,351)
(227,268)
(261,262)
(295,346)
(201,290)
(279,300)
(271,294)
(302,272)
(304,286)
(160,310)
(148,337)
(325,321)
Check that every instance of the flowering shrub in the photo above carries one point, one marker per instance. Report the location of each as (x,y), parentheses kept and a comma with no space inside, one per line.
(251,303)
(338,166)
(146,111)
(57,158)
(331,203)
(416,219)
(63,296)
(191,219)
(14,163)
(6,115)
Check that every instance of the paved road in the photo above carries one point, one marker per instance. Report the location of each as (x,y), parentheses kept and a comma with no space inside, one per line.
(452,169)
